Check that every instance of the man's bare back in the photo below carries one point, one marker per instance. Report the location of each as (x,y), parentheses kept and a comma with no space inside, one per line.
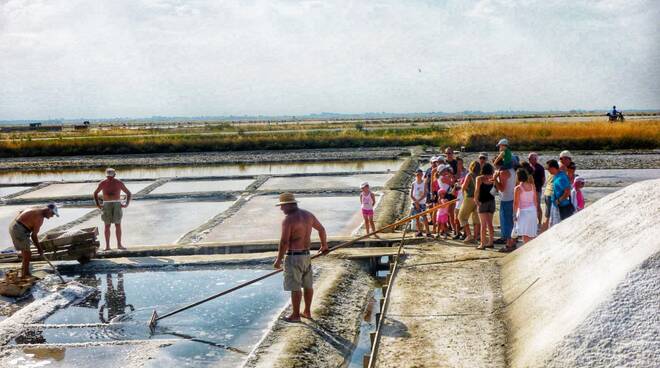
(33,218)
(298,225)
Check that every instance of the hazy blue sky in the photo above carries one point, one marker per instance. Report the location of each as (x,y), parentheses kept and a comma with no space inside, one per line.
(81,58)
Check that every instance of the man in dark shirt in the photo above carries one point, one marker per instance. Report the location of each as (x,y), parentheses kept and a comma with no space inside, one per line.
(539,179)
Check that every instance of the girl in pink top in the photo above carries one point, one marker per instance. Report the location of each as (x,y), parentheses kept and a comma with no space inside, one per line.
(577,198)
(442,217)
(525,207)
(367,202)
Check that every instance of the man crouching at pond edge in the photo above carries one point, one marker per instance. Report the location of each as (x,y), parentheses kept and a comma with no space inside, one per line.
(295,241)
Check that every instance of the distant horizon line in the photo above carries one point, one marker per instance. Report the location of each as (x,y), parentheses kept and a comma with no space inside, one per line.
(319,115)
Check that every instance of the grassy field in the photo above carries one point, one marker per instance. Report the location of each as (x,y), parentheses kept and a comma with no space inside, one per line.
(638,134)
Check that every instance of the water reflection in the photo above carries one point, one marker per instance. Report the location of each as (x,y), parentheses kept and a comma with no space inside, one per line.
(149,172)
(115,299)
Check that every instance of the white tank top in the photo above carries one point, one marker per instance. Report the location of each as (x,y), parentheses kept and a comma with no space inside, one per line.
(418,191)
(507,194)
(367,202)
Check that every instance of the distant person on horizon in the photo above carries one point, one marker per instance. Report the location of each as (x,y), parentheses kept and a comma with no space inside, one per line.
(295,242)
(112,206)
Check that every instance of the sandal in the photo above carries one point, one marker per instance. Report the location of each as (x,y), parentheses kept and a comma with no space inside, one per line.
(507,249)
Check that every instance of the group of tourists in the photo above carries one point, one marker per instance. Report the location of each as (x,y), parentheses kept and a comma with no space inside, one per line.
(469,194)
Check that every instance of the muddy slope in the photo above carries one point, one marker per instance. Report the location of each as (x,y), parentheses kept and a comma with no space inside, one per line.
(341,289)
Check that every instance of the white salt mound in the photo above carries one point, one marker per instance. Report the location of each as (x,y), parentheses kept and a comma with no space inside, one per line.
(40,309)
(594,298)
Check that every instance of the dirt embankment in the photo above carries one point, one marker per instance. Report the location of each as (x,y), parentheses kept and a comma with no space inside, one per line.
(341,289)
(205,158)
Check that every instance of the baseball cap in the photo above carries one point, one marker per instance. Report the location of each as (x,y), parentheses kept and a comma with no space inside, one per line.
(503,141)
(483,154)
(532,154)
(420,171)
(579,179)
(434,159)
(364,184)
(565,153)
(110,172)
(53,207)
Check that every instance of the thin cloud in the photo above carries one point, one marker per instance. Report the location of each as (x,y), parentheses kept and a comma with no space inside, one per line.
(187,58)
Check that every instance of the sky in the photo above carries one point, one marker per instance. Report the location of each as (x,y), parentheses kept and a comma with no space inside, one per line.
(139,58)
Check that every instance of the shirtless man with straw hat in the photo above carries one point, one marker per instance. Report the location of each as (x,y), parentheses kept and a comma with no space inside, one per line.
(295,241)
(112,206)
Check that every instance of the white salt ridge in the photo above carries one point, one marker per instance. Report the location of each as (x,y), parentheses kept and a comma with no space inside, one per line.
(585,293)
(40,309)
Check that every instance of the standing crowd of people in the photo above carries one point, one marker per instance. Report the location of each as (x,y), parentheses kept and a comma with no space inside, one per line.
(529,200)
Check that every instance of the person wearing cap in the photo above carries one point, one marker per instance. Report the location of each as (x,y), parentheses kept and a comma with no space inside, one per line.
(112,207)
(294,251)
(577,198)
(538,174)
(367,202)
(505,157)
(505,182)
(24,231)
(565,159)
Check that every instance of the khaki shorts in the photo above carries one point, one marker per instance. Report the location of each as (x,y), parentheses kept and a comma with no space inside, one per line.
(297,272)
(20,236)
(468,209)
(112,213)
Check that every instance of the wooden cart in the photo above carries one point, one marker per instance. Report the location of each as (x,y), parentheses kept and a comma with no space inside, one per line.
(81,246)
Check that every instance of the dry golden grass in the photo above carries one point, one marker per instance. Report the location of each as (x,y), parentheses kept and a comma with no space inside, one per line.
(549,135)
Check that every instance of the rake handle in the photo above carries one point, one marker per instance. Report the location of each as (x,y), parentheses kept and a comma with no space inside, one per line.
(342,245)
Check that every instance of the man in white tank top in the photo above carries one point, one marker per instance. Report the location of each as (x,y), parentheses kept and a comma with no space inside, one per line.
(418,197)
(505,182)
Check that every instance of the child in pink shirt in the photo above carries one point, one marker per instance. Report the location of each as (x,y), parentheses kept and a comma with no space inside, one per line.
(577,199)
(442,217)
(367,202)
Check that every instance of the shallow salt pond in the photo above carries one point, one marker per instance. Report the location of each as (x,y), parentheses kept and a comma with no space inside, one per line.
(8,213)
(260,219)
(325,182)
(5,191)
(617,177)
(78,189)
(17,177)
(220,332)
(150,222)
(196,186)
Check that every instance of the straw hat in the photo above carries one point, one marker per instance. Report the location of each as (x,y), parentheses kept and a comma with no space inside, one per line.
(286,198)
(364,184)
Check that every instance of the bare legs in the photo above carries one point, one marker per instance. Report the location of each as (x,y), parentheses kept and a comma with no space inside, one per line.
(25,265)
(486,226)
(296,298)
(369,225)
(106,232)
(117,234)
